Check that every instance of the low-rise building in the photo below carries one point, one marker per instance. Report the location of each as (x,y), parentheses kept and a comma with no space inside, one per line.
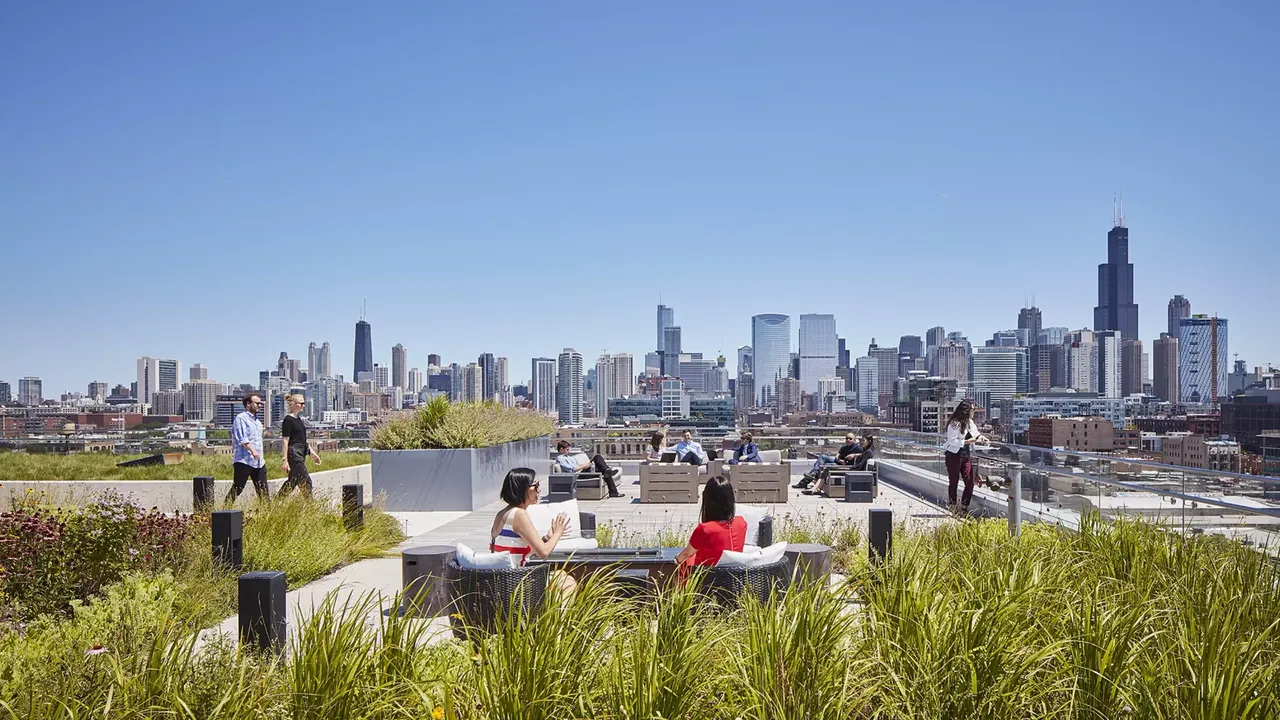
(1081,434)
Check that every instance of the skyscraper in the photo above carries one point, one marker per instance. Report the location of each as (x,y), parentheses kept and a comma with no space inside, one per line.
(313,361)
(1000,370)
(433,360)
(1132,372)
(198,372)
(744,360)
(364,349)
(5,392)
(501,383)
(666,319)
(934,337)
(1116,309)
(569,388)
(381,377)
(1202,359)
(771,353)
(1165,372)
(98,391)
(669,355)
(911,344)
(471,377)
(1179,308)
(488,379)
(1082,360)
(542,384)
(613,380)
(170,373)
(324,362)
(399,367)
(199,400)
(1110,364)
(415,381)
(868,382)
(953,360)
(30,391)
(818,350)
(1029,320)
(148,378)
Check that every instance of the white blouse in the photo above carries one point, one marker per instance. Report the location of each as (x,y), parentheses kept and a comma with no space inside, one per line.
(955,436)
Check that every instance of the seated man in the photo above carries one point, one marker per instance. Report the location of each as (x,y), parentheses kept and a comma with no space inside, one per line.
(842,457)
(856,460)
(578,462)
(688,451)
(746,451)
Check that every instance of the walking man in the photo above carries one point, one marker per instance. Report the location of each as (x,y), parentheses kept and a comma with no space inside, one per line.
(246,438)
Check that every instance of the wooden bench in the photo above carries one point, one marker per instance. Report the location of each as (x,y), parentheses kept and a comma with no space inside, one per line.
(668,483)
(760,482)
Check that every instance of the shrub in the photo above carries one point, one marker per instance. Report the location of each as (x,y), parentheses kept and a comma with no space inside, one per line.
(442,425)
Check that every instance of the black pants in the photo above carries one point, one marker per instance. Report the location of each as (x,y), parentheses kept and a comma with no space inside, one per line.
(241,473)
(603,468)
(299,476)
(959,467)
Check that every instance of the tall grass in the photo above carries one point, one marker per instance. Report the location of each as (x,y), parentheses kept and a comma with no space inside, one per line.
(23,467)
(440,424)
(1123,621)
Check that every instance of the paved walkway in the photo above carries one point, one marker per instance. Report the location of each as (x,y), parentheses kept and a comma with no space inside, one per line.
(626,514)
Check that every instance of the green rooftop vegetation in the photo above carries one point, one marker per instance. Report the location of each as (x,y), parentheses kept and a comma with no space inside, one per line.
(1123,621)
(440,424)
(24,467)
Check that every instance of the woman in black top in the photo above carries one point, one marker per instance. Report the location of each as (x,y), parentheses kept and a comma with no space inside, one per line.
(294,431)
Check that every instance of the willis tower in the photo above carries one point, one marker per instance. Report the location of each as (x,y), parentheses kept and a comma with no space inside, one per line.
(364,348)
(1116,309)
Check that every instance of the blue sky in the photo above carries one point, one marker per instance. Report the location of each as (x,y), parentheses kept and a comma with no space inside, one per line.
(218,182)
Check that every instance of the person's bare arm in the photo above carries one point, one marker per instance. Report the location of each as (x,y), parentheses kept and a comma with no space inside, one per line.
(284,465)
(542,546)
(683,556)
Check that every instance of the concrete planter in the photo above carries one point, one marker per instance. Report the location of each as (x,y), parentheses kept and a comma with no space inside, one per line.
(461,480)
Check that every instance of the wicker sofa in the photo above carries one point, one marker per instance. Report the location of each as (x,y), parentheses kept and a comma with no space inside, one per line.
(727,585)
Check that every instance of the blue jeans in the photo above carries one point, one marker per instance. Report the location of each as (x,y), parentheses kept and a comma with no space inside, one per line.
(823,460)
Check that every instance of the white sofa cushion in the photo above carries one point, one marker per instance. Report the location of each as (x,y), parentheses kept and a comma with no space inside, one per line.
(542,514)
(753,515)
(472,560)
(580,543)
(771,456)
(766,556)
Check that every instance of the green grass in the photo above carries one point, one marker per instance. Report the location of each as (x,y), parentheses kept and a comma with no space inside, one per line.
(441,424)
(1124,621)
(21,467)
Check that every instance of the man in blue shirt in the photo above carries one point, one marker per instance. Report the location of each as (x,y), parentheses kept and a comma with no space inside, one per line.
(247,460)
(747,451)
(688,451)
(578,462)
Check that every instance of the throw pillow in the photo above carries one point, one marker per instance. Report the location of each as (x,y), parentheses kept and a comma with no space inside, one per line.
(542,514)
(753,516)
(766,556)
(472,560)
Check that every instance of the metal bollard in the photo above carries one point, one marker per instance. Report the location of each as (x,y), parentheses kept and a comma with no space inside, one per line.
(261,609)
(879,534)
(228,538)
(1015,499)
(202,493)
(353,506)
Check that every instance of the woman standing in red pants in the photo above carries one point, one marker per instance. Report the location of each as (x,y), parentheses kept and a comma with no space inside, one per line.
(962,433)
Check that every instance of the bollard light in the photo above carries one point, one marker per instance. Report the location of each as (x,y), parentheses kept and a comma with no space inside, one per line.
(227,527)
(202,493)
(353,506)
(261,610)
(879,534)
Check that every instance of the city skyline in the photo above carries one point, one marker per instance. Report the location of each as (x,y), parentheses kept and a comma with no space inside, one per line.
(440,137)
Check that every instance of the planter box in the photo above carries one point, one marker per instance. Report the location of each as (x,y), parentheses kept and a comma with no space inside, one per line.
(460,479)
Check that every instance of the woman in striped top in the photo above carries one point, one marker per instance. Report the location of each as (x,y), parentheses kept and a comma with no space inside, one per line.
(512,529)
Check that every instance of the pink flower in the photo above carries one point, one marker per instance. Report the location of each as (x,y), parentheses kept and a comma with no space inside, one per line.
(95,650)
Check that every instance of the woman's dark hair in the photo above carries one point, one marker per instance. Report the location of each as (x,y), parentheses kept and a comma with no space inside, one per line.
(656,440)
(562,445)
(747,436)
(962,415)
(717,500)
(515,486)
(867,442)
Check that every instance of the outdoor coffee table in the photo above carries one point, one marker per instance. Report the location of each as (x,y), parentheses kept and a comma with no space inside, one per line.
(658,562)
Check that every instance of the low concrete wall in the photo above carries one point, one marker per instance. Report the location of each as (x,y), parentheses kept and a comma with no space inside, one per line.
(932,487)
(461,479)
(176,495)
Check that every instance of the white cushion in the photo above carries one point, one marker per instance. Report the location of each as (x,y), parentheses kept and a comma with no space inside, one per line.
(744,559)
(580,543)
(770,456)
(472,560)
(542,514)
(753,516)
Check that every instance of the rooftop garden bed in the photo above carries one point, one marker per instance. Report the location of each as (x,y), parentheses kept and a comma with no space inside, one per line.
(23,467)
(441,425)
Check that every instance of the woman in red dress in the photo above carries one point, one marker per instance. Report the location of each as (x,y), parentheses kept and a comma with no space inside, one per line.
(720,529)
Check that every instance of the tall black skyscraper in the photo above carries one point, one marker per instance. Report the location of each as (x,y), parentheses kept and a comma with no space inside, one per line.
(364,349)
(1029,319)
(1116,309)
(488,375)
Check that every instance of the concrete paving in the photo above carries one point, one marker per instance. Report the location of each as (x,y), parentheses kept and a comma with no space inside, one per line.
(382,577)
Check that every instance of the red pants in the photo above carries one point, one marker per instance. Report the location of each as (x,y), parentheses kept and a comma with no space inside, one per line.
(959,466)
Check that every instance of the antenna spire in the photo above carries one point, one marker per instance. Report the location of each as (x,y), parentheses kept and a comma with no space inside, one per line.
(1115,213)
(1122,209)
(363,303)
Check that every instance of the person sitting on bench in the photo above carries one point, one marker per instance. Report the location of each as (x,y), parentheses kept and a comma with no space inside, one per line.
(747,451)
(840,458)
(688,451)
(857,460)
(578,462)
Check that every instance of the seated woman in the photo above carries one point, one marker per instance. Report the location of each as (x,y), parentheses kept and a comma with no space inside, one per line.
(719,530)
(657,446)
(513,531)
(747,451)
(855,460)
